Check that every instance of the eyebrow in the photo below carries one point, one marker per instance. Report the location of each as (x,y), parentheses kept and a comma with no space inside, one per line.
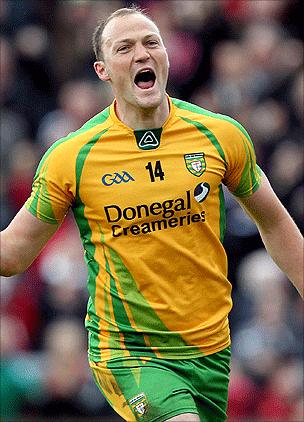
(130,40)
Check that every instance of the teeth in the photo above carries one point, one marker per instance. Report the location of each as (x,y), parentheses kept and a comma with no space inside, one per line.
(145,71)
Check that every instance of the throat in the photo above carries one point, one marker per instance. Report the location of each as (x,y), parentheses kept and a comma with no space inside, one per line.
(136,117)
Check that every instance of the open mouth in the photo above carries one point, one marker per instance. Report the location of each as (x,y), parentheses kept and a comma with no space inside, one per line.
(145,79)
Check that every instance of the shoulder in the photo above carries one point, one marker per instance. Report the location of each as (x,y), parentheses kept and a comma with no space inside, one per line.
(92,128)
(189,111)
(70,145)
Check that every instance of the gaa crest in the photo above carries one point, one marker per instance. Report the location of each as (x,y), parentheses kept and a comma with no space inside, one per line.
(139,404)
(195,163)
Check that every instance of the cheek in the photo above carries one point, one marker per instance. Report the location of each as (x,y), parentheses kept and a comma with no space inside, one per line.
(120,74)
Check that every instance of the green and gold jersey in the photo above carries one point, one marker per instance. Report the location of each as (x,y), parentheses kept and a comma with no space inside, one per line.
(150,210)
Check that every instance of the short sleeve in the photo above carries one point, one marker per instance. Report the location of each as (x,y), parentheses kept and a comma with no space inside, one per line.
(243,175)
(52,189)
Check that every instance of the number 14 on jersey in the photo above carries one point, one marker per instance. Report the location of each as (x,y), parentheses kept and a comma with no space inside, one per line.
(155,171)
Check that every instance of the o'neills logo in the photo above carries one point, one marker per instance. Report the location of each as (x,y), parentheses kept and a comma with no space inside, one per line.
(157,216)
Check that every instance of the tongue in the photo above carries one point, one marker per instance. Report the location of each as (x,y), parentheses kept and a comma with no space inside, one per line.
(145,85)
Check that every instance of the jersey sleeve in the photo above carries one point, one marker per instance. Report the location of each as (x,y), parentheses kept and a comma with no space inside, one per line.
(243,175)
(52,190)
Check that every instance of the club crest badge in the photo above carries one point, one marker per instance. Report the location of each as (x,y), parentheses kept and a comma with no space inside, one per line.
(139,404)
(195,163)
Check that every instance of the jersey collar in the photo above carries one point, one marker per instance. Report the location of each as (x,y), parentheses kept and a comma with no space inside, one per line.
(118,122)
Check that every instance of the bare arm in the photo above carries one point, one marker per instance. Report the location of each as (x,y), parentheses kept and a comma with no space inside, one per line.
(22,241)
(279,233)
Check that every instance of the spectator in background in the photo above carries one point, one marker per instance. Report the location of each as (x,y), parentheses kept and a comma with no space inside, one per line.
(13,123)
(78,101)
(65,372)
(20,373)
(52,383)
(264,342)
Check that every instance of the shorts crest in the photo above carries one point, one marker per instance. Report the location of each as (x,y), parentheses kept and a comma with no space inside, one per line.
(139,404)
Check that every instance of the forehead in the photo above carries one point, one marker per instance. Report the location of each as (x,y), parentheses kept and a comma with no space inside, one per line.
(128,26)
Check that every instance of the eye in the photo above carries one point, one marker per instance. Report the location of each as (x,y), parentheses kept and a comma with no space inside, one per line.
(123,49)
(152,43)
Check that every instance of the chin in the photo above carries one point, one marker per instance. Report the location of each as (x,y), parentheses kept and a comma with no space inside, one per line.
(150,100)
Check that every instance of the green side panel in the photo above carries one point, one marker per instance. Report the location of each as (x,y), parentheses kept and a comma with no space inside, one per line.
(86,236)
(45,205)
(253,173)
(249,180)
(205,131)
(114,339)
(245,181)
(42,207)
(32,204)
(260,173)
(81,220)
(222,214)
(144,316)
(121,319)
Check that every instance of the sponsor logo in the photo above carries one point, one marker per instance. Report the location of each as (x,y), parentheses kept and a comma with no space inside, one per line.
(146,218)
(148,141)
(109,179)
(195,163)
(201,191)
(139,404)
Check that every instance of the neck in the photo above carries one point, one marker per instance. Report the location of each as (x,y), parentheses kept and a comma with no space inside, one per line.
(143,118)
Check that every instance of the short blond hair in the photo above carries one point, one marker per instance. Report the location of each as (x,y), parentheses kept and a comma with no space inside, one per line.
(97,40)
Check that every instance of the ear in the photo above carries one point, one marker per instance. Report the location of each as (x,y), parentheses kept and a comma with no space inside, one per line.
(168,62)
(101,71)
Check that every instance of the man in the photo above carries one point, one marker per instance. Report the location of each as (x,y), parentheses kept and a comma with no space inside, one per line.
(144,180)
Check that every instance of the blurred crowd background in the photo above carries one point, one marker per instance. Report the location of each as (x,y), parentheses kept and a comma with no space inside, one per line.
(243,58)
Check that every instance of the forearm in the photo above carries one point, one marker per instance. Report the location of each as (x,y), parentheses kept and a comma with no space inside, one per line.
(285,245)
(10,261)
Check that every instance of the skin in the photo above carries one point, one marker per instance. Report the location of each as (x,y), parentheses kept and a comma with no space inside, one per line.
(185,417)
(22,241)
(132,43)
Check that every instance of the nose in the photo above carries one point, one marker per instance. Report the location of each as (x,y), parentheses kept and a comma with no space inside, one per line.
(141,53)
